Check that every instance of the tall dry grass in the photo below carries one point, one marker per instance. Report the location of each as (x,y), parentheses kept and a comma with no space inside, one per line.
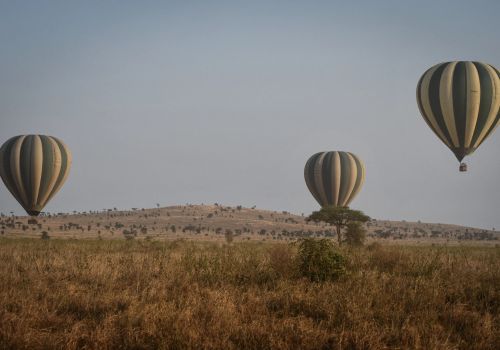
(178,295)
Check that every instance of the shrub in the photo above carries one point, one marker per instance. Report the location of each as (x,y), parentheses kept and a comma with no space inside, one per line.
(355,234)
(129,237)
(229,236)
(45,235)
(318,260)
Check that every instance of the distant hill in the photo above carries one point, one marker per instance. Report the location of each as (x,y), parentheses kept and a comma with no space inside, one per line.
(212,222)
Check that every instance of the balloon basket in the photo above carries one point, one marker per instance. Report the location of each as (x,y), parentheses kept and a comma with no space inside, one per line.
(463,167)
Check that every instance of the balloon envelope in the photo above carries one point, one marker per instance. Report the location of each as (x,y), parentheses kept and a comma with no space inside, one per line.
(460,102)
(334,178)
(34,168)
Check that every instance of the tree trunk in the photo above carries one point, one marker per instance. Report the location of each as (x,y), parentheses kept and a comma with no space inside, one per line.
(339,235)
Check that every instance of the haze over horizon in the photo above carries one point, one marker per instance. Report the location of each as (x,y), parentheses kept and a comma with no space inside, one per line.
(174,103)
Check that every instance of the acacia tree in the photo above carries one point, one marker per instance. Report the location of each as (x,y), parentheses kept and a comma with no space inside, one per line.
(339,217)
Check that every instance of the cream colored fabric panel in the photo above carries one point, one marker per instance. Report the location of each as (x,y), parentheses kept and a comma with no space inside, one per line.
(318,176)
(473,101)
(364,172)
(335,177)
(426,104)
(495,127)
(64,170)
(15,165)
(36,168)
(352,174)
(494,107)
(55,171)
(446,101)
(363,176)
(360,179)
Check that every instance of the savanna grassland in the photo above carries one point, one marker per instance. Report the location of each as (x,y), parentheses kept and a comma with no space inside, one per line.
(213,222)
(146,294)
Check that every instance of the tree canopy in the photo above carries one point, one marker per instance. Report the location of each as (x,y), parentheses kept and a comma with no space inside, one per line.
(339,217)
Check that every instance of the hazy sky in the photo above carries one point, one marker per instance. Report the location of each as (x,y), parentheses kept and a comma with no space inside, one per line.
(203,101)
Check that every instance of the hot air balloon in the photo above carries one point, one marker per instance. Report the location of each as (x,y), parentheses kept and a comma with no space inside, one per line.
(34,168)
(460,102)
(334,178)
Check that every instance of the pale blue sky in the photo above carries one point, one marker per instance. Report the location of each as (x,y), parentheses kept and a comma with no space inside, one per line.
(205,101)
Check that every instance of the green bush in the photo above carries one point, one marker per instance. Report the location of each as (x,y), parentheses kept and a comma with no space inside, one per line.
(319,261)
(355,234)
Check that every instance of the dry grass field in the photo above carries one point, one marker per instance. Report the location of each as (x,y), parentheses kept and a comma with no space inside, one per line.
(146,294)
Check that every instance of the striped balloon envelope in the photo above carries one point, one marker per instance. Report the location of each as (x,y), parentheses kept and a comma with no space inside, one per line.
(460,102)
(334,178)
(34,168)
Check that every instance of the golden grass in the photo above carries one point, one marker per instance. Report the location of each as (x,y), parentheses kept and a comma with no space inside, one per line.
(173,295)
